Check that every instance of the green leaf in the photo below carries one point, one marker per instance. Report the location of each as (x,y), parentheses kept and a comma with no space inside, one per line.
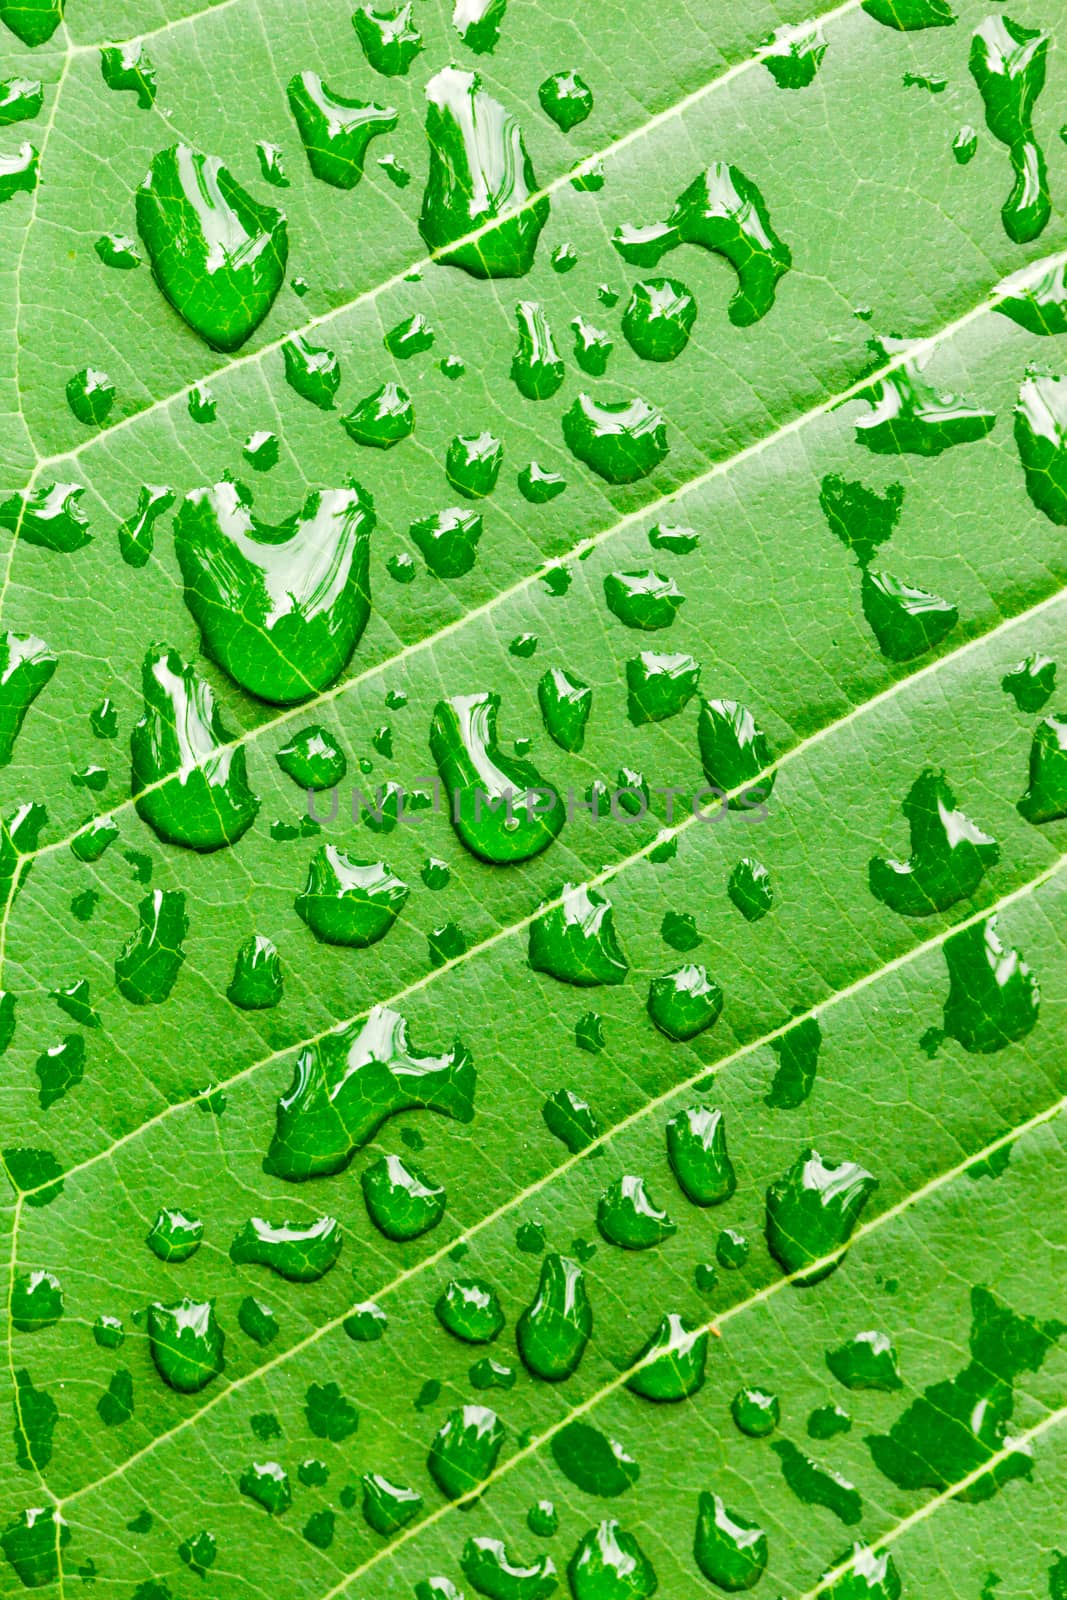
(656,1186)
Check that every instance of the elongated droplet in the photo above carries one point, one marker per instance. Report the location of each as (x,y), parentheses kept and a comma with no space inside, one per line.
(949,854)
(299,1252)
(1008,65)
(499,804)
(137,533)
(1041,439)
(672,1362)
(402,1202)
(696,1149)
(281,607)
(189,779)
(537,369)
(218,256)
(621,440)
(993,996)
(960,1424)
(348,902)
(336,132)
(815,1485)
(26,665)
(723,211)
(812,1211)
(465,1450)
(565,702)
(480,174)
(147,967)
(555,1328)
(49,516)
(1045,799)
(186,1343)
(730,1551)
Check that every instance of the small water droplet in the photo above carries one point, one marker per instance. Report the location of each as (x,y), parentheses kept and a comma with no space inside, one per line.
(174,1236)
(755,1412)
(117,250)
(91,395)
(730,1551)
(684,1003)
(659,319)
(129,66)
(257,1321)
(402,1201)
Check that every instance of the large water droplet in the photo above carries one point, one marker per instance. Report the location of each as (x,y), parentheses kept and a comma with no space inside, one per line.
(281,607)
(565,702)
(566,98)
(730,1551)
(1039,307)
(256,984)
(33,1541)
(575,940)
(186,1343)
(390,39)
(34,22)
(909,416)
(349,902)
(621,440)
(793,58)
(402,1201)
(993,996)
(1008,64)
(49,516)
(218,256)
(644,600)
(911,15)
(949,854)
(311,370)
(609,1564)
(696,1149)
(470,1309)
(479,174)
(137,533)
(21,99)
(755,1412)
(465,1450)
(673,1361)
(267,1483)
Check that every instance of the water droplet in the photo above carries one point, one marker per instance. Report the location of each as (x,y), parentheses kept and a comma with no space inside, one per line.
(437,1589)
(399,175)
(147,966)
(108,1332)
(659,319)
(335,131)
(621,440)
(313,758)
(566,98)
(186,1343)
(1045,799)
(92,776)
(722,211)
(366,1323)
(816,1485)
(448,541)
(36,1301)
(409,338)
(812,1210)
(91,842)
(571,1120)
(218,256)
(91,395)
(117,250)
(933,83)
(542,1518)
(479,173)
(115,1406)
(594,1463)
(862,518)
(465,1450)
(174,1236)
(628,1216)
(202,404)
(499,804)
(589,1032)
(949,854)
(793,58)
(731,1249)
(382,419)
(537,368)
(298,1252)
(909,416)
(478,23)
(329,1414)
(1040,307)
(827,1421)
(402,1202)
(48,516)
(388,1507)
(564,258)
(866,1361)
(26,665)
(36,1415)
(755,1412)
(798,1059)
(390,39)
(256,984)
(33,1541)
(696,1149)
(19,173)
(21,99)
(1031,681)
(346,1086)
(1007,63)
(609,1564)
(1041,438)
(958,1425)
(733,749)
(684,1003)
(673,1360)
(267,1483)
(993,996)
(313,371)
(648,601)
(261,450)
(272,164)
(910,15)
(181,738)
(257,1321)
(129,66)
(555,1328)
(730,1551)
(965,148)
(470,1309)
(750,889)
(575,940)
(906,621)
(472,465)
(137,533)
(281,608)
(565,702)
